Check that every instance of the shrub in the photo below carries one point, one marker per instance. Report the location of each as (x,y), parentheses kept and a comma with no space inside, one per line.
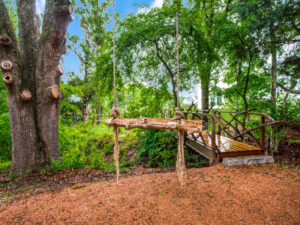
(160,147)
(5,139)
(83,145)
(74,159)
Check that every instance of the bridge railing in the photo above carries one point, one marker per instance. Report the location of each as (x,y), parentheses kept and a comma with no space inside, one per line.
(248,127)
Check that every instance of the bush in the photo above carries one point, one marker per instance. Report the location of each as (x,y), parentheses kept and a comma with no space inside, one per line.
(5,139)
(84,145)
(160,147)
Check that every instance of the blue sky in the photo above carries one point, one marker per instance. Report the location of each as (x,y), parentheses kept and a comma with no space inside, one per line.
(124,7)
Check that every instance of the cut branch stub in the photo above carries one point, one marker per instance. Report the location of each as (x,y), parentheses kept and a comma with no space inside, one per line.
(6,65)
(60,70)
(66,10)
(71,12)
(7,78)
(26,95)
(5,40)
(54,91)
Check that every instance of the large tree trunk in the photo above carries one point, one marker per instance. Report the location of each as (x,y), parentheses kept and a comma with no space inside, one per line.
(33,95)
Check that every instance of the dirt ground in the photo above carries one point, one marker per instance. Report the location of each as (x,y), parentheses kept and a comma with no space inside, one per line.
(266,194)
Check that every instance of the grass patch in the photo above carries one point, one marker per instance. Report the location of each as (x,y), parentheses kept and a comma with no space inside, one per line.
(5,165)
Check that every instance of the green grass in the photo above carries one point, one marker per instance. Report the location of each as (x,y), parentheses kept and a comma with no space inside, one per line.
(4,165)
(294,141)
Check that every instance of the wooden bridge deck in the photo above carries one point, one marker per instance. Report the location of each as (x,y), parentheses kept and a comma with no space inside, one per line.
(226,146)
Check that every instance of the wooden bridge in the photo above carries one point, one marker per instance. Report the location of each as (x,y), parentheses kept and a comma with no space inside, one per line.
(229,137)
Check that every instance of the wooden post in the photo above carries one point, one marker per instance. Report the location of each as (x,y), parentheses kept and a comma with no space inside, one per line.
(263,133)
(213,141)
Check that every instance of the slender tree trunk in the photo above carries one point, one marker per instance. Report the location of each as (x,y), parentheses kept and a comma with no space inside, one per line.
(33,93)
(85,113)
(99,113)
(274,80)
(205,93)
(273,85)
(204,71)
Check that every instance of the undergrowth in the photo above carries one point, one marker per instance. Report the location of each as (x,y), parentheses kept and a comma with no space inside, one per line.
(159,149)
(83,145)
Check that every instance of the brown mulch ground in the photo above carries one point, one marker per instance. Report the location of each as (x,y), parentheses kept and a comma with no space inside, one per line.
(266,194)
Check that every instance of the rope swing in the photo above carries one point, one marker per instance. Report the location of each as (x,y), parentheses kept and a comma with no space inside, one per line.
(179,123)
(180,164)
(115,109)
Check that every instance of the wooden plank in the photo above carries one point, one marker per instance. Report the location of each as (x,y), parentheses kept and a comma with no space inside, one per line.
(223,141)
(207,153)
(188,126)
(225,144)
(201,149)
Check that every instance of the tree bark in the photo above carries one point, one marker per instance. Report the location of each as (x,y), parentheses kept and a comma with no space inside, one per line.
(35,60)
(205,92)
(99,113)
(273,65)
(85,113)
(273,84)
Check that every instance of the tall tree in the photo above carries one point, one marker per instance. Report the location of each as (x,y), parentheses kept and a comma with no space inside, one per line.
(205,21)
(31,71)
(147,49)
(93,18)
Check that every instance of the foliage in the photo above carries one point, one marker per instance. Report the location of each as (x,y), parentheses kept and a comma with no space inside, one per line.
(4,165)
(159,147)
(90,50)
(146,50)
(81,145)
(5,139)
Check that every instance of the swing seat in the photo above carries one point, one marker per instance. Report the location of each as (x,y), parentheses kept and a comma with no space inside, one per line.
(188,126)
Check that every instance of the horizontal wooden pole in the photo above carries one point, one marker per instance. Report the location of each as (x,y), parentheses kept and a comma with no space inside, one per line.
(188,126)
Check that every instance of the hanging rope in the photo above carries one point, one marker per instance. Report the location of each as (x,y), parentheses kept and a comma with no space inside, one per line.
(115,109)
(114,53)
(180,164)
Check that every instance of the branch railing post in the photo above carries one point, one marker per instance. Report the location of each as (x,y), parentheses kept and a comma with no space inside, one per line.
(219,126)
(213,141)
(263,133)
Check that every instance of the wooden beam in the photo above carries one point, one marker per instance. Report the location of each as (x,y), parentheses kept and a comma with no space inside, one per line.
(220,122)
(188,126)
